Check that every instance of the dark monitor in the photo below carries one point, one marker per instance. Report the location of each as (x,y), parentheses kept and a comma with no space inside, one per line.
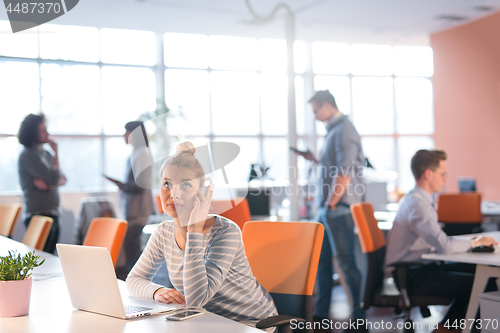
(259,201)
(467,184)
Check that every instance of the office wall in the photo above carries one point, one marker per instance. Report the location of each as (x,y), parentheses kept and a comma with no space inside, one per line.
(467,102)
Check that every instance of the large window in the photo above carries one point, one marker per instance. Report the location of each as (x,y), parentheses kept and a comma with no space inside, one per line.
(387,93)
(218,88)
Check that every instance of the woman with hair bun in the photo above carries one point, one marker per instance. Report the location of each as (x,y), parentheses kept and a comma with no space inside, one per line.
(204,253)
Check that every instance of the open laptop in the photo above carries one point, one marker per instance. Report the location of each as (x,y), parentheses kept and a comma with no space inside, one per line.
(92,284)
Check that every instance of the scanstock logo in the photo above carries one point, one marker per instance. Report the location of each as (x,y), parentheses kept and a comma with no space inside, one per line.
(25,14)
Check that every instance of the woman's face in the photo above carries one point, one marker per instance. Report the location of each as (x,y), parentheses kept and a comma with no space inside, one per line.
(178,189)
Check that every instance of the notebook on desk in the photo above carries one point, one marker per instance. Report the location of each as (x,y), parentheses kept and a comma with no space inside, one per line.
(92,284)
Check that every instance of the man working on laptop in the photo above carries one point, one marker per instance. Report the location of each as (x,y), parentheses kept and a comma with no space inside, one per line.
(416,231)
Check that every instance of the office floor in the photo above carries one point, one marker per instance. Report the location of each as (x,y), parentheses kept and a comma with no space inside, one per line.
(340,312)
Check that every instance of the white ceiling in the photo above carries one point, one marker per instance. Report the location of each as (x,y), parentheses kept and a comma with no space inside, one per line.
(366,21)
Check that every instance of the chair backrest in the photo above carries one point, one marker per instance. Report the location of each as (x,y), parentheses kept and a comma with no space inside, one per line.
(372,242)
(9,215)
(38,231)
(284,258)
(159,207)
(370,235)
(107,232)
(239,214)
(459,208)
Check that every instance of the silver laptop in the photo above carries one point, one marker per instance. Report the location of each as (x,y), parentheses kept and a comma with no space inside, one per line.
(92,284)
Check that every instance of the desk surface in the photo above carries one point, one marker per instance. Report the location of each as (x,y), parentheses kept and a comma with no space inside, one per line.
(492,259)
(51,309)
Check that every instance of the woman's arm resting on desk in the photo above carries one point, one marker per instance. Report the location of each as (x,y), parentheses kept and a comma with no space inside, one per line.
(139,279)
(168,296)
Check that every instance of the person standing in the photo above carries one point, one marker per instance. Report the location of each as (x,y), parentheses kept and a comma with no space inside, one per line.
(136,197)
(40,175)
(339,185)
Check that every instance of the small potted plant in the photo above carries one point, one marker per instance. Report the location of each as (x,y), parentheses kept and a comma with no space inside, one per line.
(15,283)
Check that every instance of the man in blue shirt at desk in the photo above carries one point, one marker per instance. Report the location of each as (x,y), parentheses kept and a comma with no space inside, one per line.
(416,231)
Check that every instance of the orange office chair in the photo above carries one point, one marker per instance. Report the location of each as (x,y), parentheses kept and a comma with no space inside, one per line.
(107,232)
(284,258)
(159,207)
(9,215)
(239,214)
(460,213)
(38,231)
(379,291)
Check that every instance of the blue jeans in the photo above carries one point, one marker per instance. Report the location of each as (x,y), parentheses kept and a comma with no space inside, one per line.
(338,239)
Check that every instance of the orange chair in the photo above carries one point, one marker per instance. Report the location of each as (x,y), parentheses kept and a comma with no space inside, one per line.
(460,213)
(107,232)
(38,231)
(159,207)
(284,258)
(9,215)
(380,291)
(239,214)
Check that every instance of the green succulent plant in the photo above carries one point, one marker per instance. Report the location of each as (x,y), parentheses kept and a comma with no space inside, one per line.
(17,267)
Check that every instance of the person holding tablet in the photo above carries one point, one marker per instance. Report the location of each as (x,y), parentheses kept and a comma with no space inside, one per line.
(204,253)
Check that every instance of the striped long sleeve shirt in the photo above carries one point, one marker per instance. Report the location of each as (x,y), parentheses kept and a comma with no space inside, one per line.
(212,272)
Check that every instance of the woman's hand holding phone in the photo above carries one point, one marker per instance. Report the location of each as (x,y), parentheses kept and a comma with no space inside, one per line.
(200,210)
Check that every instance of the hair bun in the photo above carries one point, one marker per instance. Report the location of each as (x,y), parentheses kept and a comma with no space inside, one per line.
(186,147)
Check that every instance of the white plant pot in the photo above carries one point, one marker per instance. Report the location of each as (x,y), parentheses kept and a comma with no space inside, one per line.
(15,297)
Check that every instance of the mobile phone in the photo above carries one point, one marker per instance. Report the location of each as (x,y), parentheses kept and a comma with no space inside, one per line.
(296,150)
(208,184)
(184,314)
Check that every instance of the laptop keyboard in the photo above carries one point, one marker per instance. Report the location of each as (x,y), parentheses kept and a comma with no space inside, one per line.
(131,309)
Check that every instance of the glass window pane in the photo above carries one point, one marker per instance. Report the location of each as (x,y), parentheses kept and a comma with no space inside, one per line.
(340,88)
(238,171)
(186,50)
(414,107)
(273,104)
(276,158)
(69,43)
(71,98)
(116,157)
(131,47)
(188,92)
(272,55)
(413,61)
(300,105)
(126,94)
(371,59)
(9,177)
(238,53)
(19,93)
(381,152)
(299,53)
(235,103)
(80,161)
(22,44)
(373,105)
(330,58)
(407,147)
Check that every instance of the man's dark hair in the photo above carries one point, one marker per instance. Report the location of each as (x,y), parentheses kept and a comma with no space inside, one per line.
(323,96)
(132,125)
(426,159)
(28,131)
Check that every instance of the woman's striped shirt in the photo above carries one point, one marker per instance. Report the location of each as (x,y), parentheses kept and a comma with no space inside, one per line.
(212,272)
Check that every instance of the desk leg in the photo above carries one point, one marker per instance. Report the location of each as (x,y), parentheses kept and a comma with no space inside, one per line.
(483,273)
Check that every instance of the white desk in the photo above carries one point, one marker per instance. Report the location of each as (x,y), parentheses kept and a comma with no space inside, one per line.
(487,265)
(51,310)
